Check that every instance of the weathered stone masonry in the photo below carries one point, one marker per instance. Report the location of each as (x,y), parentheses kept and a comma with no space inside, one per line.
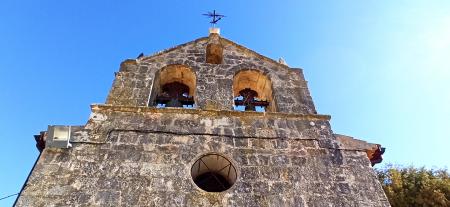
(133,154)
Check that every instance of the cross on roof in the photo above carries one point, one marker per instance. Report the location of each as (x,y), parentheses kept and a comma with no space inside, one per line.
(215,17)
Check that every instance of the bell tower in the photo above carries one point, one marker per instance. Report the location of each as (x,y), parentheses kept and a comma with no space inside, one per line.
(206,123)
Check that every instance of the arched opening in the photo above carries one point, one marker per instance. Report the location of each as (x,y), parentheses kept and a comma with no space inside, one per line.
(213,173)
(252,91)
(174,87)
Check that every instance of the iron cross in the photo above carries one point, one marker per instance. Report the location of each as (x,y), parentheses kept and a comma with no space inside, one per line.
(215,17)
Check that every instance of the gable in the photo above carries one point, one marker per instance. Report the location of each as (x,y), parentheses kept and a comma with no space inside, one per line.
(242,50)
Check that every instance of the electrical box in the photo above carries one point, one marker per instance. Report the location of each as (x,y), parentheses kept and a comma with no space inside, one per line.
(58,136)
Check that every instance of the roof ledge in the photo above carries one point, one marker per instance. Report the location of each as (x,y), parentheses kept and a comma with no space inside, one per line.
(374,151)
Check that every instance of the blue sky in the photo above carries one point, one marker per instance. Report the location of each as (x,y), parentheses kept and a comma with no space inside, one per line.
(381,69)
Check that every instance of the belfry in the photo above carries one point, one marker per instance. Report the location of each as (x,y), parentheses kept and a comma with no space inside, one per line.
(206,123)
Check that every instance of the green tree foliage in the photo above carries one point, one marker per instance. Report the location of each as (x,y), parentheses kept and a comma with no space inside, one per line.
(409,186)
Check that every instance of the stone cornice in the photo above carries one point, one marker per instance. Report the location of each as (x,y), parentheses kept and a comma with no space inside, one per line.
(98,108)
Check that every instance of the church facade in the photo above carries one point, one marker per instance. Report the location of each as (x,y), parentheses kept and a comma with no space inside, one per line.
(206,123)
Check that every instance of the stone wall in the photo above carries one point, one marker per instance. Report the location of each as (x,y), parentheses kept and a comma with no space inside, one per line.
(140,156)
(134,82)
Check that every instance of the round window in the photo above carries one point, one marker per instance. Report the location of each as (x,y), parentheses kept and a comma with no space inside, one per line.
(213,173)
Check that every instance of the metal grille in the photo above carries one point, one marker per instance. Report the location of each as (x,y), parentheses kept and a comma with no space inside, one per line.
(213,173)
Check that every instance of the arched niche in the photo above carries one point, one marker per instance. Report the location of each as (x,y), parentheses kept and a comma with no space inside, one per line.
(255,83)
(214,53)
(174,83)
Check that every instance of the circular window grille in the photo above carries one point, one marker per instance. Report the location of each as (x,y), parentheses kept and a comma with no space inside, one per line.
(213,173)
